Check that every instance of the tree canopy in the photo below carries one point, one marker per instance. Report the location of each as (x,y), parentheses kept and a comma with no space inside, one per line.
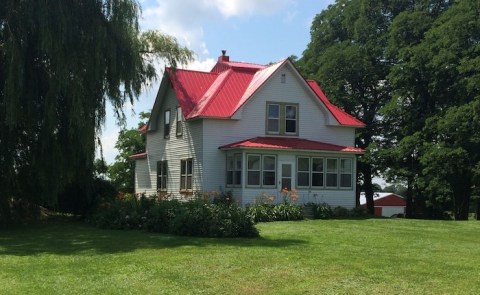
(130,141)
(410,70)
(61,61)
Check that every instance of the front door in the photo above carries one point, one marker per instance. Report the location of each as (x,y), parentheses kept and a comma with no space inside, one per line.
(286,176)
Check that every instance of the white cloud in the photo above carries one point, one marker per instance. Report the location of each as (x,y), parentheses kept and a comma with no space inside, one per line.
(185,19)
(231,8)
(204,66)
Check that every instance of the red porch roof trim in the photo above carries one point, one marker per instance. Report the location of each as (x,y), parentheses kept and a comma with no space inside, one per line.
(143,129)
(282,143)
(138,156)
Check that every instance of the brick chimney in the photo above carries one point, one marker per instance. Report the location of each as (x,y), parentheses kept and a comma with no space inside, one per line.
(223,57)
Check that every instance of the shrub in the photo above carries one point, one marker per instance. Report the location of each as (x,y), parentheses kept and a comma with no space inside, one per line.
(193,218)
(321,211)
(263,210)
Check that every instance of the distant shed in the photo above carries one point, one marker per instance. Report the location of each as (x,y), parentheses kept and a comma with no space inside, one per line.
(386,204)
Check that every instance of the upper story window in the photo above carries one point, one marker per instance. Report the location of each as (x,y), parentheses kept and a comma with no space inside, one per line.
(179,120)
(282,119)
(166,124)
(273,118)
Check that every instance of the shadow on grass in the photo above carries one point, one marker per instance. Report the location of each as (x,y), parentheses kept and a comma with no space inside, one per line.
(68,237)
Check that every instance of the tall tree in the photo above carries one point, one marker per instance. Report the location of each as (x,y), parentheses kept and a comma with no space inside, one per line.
(129,142)
(436,73)
(61,60)
(346,55)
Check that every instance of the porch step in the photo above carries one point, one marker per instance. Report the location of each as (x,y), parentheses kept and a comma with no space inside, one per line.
(308,212)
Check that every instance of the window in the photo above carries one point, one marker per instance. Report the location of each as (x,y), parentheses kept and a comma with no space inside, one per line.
(253,169)
(283,78)
(317,172)
(290,119)
(179,122)
(162,176)
(273,118)
(332,172)
(310,172)
(303,171)
(166,126)
(282,119)
(186,173)
(345,173)
(269,170)
(234,170)
(261,170)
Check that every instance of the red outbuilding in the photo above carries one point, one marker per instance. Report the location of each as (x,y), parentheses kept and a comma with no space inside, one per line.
(386,204)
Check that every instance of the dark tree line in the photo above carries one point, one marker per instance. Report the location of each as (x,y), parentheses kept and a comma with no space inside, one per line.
(411,71)
(60,62)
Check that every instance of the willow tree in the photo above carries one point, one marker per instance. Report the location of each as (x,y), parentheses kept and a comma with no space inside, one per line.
(61,61)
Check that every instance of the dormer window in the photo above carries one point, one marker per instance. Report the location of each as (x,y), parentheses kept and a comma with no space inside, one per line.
(282,119)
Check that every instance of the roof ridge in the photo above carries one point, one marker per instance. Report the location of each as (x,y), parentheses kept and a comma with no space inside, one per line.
(171,70)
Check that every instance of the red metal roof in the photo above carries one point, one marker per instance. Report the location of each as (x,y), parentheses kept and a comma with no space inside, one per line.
(283,143)
(221,92)
(342,117)
(138,156)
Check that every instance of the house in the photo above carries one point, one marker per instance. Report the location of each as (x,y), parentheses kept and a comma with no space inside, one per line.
(386,204)
(251,130)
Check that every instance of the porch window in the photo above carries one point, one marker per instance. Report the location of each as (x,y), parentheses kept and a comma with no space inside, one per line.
(261,170)
(303,171)
(166,125)
(346,173)
(253,170)
(162,175)
(234,170)
(186,173)
(179,120)
(332,172)
(310,172)
(317,172)
(269,168)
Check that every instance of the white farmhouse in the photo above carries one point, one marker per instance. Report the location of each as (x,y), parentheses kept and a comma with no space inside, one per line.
(248,129)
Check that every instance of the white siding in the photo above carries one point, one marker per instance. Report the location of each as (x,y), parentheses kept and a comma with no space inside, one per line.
(174,149)
(143,182)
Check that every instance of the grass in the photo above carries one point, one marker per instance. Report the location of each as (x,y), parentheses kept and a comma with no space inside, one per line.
(372,256)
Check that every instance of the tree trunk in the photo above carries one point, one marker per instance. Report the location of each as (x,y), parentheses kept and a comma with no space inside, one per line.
(368,187)
(477,211)
(409,211)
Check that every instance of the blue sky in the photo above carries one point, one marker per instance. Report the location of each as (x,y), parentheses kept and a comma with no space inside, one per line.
(257,31)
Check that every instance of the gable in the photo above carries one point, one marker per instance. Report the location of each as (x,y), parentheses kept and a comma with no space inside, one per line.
(223,92)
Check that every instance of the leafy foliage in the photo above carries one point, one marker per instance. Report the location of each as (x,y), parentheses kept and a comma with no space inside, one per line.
(190,218)
(61,61)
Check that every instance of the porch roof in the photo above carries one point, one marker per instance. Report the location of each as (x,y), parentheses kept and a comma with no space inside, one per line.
(289,143)
(138,156)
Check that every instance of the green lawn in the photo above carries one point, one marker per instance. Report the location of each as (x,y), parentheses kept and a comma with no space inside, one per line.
(373,256)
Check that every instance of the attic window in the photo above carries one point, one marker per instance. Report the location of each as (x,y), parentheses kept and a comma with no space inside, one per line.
(283,78)
(166,125)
